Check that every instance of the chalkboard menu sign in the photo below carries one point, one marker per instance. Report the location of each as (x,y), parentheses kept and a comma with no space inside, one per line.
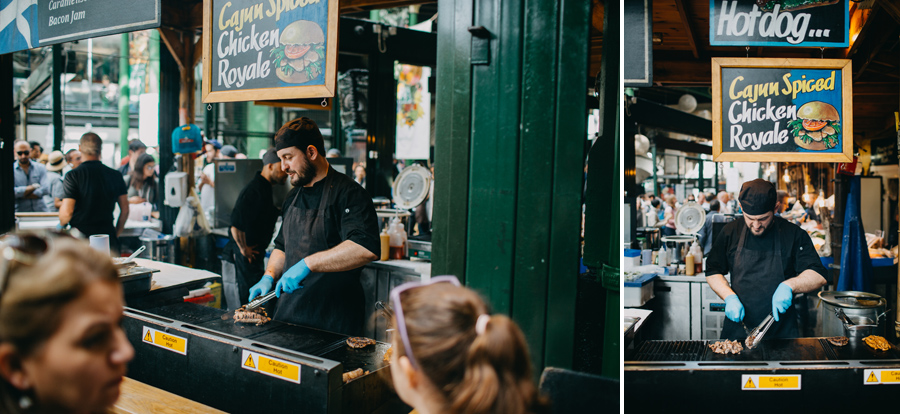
(27,24)
(819,23)
(269,49)
(782,110)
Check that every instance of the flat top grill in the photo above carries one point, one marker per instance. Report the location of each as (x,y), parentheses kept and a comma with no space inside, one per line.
(797,349)
(323,344)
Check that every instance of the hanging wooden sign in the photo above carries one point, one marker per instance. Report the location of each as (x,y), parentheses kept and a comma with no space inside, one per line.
(782,110)
(269,49)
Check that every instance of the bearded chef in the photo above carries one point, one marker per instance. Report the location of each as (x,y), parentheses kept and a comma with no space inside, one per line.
(329,232)
(770,261)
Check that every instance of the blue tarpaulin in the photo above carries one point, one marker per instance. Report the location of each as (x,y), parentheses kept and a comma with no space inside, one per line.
(856,266)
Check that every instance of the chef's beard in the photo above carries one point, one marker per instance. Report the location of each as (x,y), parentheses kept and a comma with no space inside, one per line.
(764,230)
(304,177)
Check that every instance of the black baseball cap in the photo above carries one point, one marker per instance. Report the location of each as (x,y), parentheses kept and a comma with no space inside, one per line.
(271,157)
(757,197)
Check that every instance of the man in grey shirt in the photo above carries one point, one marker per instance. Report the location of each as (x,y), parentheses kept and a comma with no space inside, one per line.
(53,184)
(27,177)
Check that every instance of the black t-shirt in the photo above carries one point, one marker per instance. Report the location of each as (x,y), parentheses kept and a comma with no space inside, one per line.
(797,251)
(96,189)
(255,213)
(349,214)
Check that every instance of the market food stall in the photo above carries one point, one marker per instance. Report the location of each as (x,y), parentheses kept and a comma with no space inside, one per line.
(725,106)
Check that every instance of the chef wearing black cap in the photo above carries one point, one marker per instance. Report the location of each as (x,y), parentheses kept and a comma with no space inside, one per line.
(770,260)
(328,233)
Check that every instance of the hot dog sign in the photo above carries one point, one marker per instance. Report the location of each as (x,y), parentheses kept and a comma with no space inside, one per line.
(782,110)
(269,49)
(820,23)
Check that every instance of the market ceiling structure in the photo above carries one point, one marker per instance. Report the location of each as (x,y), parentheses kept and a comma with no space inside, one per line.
(681,58)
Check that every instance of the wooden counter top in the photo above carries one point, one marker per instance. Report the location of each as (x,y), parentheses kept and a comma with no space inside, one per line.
(140,398)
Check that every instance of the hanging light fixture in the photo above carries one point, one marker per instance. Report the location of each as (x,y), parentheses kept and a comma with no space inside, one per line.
(786,177)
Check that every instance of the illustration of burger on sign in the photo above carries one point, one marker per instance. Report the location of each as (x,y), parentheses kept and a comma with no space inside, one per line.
(787,110)
(264,44)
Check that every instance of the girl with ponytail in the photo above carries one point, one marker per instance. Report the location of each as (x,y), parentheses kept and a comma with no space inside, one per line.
(450,356)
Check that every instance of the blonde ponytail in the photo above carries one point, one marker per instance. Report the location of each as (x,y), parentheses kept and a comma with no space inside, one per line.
(478,371)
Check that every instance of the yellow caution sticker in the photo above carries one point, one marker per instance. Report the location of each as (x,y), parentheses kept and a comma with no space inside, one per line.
(881,376)
(165,340)
(770,382)
(273,367)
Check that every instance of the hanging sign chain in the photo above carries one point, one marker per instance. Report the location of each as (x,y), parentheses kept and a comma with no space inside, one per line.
(747,48)
(209,107)
(324,102)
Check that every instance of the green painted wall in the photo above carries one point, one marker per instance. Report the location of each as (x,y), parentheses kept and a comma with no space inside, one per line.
(509,161)
(259,119)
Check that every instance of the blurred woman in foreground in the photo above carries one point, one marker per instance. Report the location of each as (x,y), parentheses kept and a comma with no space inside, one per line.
(62,349)
(450,356)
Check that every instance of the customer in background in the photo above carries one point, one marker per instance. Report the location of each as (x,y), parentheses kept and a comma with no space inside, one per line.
(28,179)
(36,150)
(359,174)
(724,198)
(73,158)
(669,228)
(91,193)
(62,349)
(706,232)
(207,182)
(652,215)
(783,205)
(141,181)
(228,151)
(450,355)
(53,183)
(135,149)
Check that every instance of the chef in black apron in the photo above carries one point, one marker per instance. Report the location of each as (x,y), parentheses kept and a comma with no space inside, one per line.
(770,261)
(329,232)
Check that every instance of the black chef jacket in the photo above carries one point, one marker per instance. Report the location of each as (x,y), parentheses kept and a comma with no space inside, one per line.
(348,215)
(797,251)
(96,189)
(343,211)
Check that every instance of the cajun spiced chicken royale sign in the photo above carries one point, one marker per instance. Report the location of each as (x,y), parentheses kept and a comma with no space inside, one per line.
(781,110)
(269,49)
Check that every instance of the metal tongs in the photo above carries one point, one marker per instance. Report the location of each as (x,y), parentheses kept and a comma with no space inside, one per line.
(843,316)
(759,332)
(255,303)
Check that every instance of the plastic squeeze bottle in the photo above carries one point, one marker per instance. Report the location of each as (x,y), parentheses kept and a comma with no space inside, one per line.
(396,239)
(698,258)
(385,244)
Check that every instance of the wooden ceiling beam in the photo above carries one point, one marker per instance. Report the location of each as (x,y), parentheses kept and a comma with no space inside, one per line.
(892,7)
(685,19)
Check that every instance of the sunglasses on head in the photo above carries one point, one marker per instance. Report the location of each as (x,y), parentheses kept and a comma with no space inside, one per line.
(23,152)
(398,310)
(17,250)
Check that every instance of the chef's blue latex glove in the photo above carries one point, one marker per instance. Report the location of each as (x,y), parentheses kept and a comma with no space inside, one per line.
(290,280)
(781,300)
(262,287)
(734,309)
